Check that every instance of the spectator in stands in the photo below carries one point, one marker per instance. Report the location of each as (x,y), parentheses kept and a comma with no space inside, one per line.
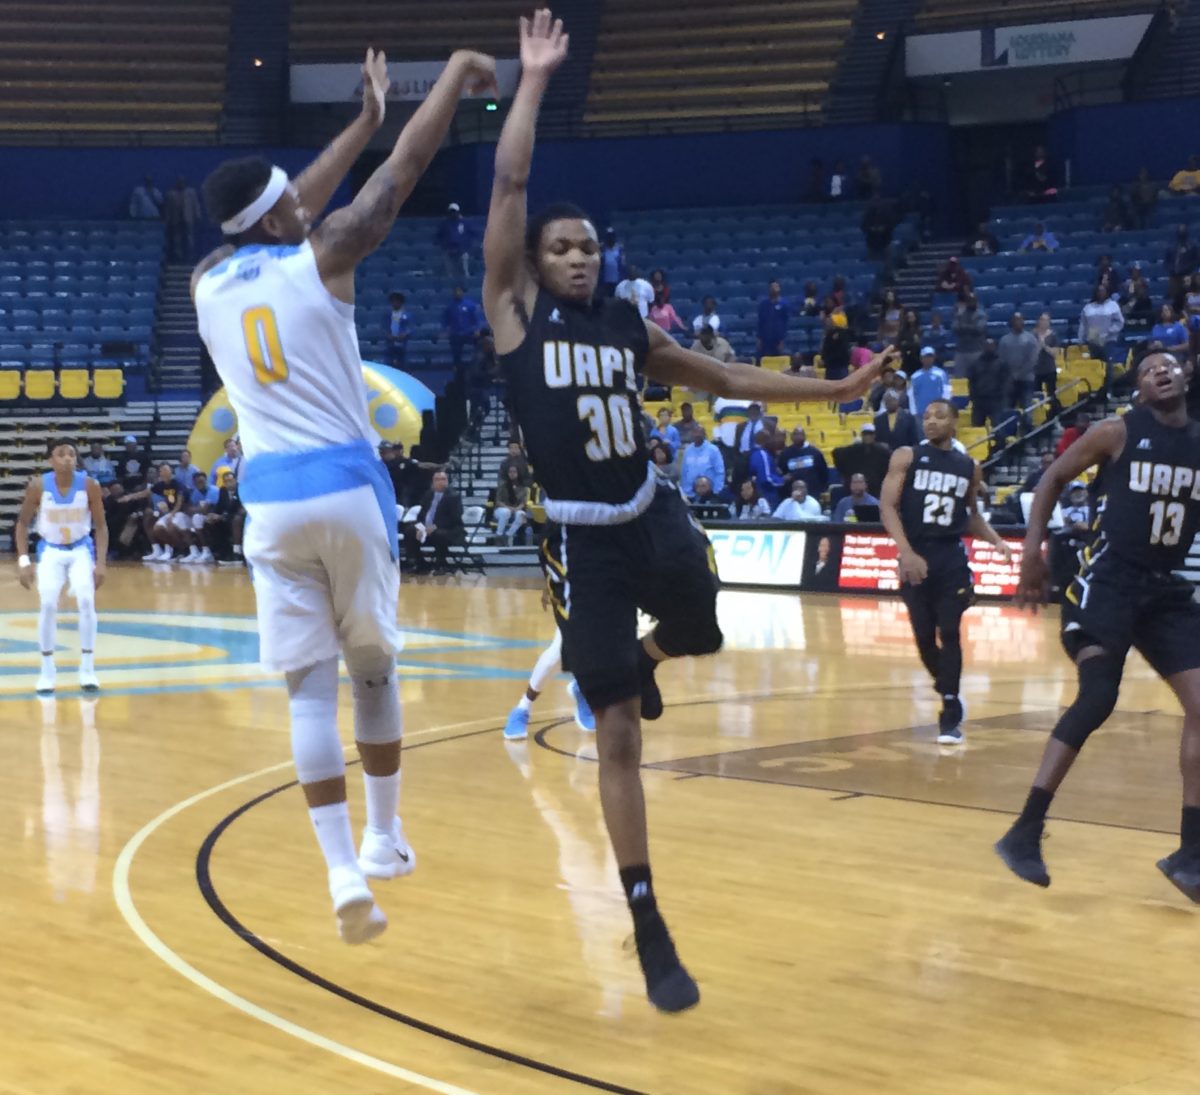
(133,467)
(665,467)
(748,506)
(891,312)
(516,458)
(1100,322)
(1108,277)
(200,510)
(885,384)
(186,471)
(800,506)
(841,296)
(181,212)
(1186,181)
(938,337)
(123,515)
(701,459)
(929,382)
(839,182)
(1073,432)
(714,345)
(225,534)
(864,457)
(637,290)
(902,388)
(895,426)
(687,424)
(745,432)
(398,330)
(231,458)
(908,342)
(878,224)
(164,521)
(659,283)
(763,469)
(1035,476)
(456,237)
(1143,198)
(970,334)
(1183,257)
(663,313)
(868,180)
(984,243)
(1134,282)
(1191,302)
(708,316)
(512,505)
(1041,185)
(804,462)
(989,383)
(1045,376)
(704,495)
(953,278)
(145,203)
(1019,350)
(1117,217)
(773,313)
(1039,240)
(858,496)
(439,523)
(1139,310)
(462,324)
(612,262)
(860,353)
(811,305)
(665,432)
(98,466)
(835,346)
(1170,332)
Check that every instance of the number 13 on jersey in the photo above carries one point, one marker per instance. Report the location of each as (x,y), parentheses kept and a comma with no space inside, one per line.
(263,344)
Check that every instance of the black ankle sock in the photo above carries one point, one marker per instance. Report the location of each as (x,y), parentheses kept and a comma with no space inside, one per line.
(1189,827)
(639,889)
(1036,806)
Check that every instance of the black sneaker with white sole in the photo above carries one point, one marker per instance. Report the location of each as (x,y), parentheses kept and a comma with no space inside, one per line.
(950,721)
(1182,869)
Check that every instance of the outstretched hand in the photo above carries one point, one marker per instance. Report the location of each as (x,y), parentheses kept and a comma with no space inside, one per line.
(375,86)
(859,382)
(543,43)
(478,71)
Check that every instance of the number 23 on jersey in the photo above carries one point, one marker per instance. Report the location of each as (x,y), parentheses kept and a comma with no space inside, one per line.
(263,344)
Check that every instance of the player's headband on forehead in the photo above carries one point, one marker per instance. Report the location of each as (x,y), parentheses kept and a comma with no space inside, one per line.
(253,213)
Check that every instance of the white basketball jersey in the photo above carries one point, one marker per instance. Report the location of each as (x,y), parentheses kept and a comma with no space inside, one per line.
(286,350)
(64,519)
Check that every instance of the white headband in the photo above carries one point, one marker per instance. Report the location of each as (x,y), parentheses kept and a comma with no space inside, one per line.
(252,214)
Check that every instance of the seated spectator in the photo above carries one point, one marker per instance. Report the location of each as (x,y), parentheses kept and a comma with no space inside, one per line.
(938,337)
(701,459)
(1135,281)
(145,203)
(397,328)
(1045,375)
(666,433)
(800,506)
(123,516)
(637,290)
(990,385)
(707,318)
(226,537)
(133,469)
(1108,277)
(462,324)
(664,465)
(164,522)
(1019,350)
(516,458)
(858,496)
(805,462)
(1139,309)
(812,300)
(1039,240)
(773,312)
(98,466)
(970,333)
(983,243)
(687,424)
(763,469)
(835,346)
(886,383)
(929,382)
(908,342)
(748,506)
(1073,433)
(231,458)
(714,345)
(439,523)
(895,426)
(953,278)
(663,313)
(512,505)
(891,312)
(901,387)
(839,183)
(1192,317)
(864,457)
(1183,257)
(1186,181)
(704,498)
(1143,198)
(660,285)
(1041,180)
(185,471)
(201,512)
(612,262)
(860,353)
(1035,477)
(1170,332)
(1117,217)
(1100,322)
(456,238)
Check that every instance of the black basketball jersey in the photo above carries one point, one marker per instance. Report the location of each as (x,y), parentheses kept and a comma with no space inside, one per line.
(1148,499)
(933,504)
(573,389)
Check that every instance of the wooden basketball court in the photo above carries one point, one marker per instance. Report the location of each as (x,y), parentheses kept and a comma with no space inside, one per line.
(825,866)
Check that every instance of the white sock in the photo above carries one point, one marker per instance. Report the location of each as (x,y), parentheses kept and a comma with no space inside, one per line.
(525,703)
(383,801)
(332,825)
(48,664)
(47,626)
(86,663)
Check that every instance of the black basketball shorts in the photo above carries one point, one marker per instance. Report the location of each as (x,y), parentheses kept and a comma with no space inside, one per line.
(949,586)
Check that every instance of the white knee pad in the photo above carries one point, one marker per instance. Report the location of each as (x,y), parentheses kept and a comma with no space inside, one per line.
(378,719)
(312,700)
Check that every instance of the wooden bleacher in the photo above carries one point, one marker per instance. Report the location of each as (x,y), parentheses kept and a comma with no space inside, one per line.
(712,64)
(112,70)
(939,15)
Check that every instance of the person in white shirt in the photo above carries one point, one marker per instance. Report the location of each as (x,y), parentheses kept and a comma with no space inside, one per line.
(748,506)
(1101,321)
(708,317)
(637,290)
(800,507)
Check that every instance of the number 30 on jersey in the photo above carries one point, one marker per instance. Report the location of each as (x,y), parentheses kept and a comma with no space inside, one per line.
(611,423)
(263,344)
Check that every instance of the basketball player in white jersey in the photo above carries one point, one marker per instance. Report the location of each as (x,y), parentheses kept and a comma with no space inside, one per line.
(68,508)
(275,307)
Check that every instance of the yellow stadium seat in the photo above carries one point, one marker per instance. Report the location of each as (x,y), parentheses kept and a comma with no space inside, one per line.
(39,384)
(108,383)
(776,364)
(959,386)
(10,384)
(74,384)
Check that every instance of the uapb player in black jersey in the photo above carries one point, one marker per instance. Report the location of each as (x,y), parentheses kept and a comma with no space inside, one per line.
(1126,594)
(928,506)
(572,367)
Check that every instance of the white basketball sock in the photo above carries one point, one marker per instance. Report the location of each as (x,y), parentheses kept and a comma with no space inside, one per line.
(525,703)
(332,826)
(383,801)
(547,664)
